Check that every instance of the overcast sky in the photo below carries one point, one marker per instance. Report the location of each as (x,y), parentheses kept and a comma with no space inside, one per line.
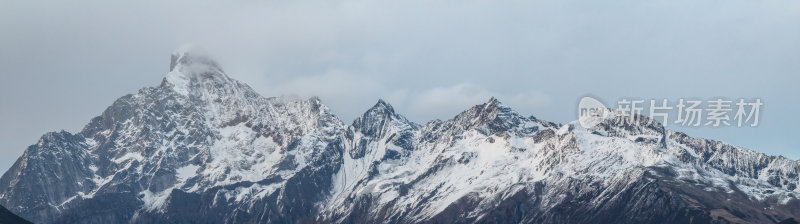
(64,62)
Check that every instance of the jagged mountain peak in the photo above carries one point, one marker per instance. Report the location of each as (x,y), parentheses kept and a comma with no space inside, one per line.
(54,135)
(382,106)
(618,123)
(378,117)
(492,114)
(191,66)
(206,148)
(381,110)
(191,54)
(493,102)
(493,107)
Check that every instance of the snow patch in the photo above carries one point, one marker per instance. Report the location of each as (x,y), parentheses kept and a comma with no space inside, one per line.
(179,81)
(130,156)
(186,172)
(154,201)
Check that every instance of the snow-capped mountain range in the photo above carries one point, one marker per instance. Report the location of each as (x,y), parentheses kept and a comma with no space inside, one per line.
(204,148)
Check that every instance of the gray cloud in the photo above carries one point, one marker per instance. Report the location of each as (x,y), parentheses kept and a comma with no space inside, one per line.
(63,62)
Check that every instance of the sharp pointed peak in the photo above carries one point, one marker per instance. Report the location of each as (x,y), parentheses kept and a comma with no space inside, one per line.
(494,101)
(489,112)
(381,104)
(381,109)
(493,104)
(191,63)
(376,117)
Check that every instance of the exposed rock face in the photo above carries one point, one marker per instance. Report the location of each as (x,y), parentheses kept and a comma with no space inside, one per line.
(202,147)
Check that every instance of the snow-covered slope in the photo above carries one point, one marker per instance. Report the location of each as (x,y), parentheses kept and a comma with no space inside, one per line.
(198,130)
(202,147)
(490,164)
